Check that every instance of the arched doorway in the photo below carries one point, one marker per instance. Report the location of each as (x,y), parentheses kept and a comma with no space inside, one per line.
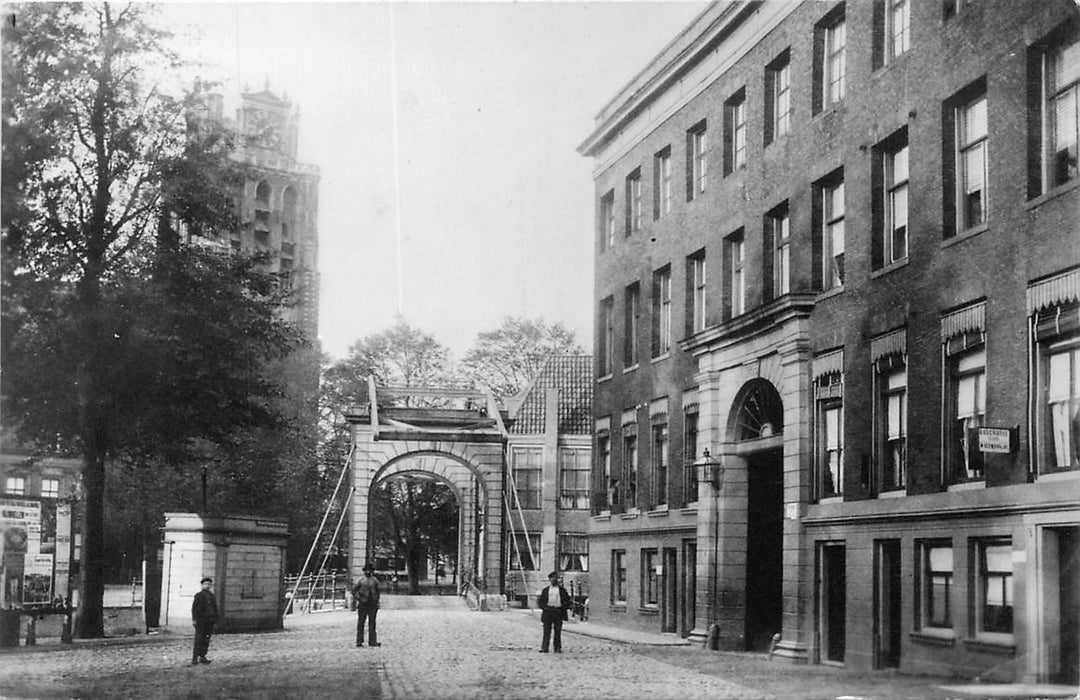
(757,423)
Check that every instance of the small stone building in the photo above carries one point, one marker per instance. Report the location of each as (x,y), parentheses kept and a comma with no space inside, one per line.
(246,558)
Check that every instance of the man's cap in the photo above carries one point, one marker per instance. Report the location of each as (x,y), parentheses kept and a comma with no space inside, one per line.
(553,574)
(206,579)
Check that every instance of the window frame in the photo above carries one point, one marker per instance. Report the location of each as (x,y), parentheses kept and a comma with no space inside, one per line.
(605,342)
(630,459)
(1053,447)
(633,201)
(662,183)
(891,452)
(829,398)
(578,545)
(696,292)
(515,553)
(618,577)
(967,144)
(650,581)
(832,263)
(15,485)
(631,324)
(697,166)
(778,107)
(607,221)
(735,132)
(778,227)
(985,581)
(890,188)
(50,492)
(574,496)
(691,435)
(834,59)
(661,324)
(535,481)
(892,52)
(735,247)
(963,461)
(929,616)
(660,445)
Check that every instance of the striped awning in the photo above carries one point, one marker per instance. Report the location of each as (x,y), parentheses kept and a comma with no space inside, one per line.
(1054,291)
(828,363)
(629,416)
(690,400)
(603,425)
(971,319)
(658,408)
(892,343)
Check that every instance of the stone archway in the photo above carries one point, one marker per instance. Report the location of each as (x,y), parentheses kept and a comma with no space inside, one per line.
(461,442)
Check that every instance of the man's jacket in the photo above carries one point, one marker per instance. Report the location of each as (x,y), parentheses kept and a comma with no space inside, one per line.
(564,598)
(204,609)
(366,592)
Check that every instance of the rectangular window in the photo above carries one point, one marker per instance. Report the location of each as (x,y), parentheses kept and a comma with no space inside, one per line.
(525,552)
(1062,75)
(618,577)
(15,485)
(630,465)
(829,231)
(736,256)
(698,160)
(527,471)
(971,164)
(777,98)
(778,253)
(935,583)
(892,428)
(735,132)
(891,226)
(830,59)
(661,322)
(50,488)
(994,613)
(660,462)
(829,398)
(632,310)
(662,183)
(695,292)
(607,221)
(607,479)
(965,406)
(650,582)
(633,201)
(690,453)
(1062,404)
(573,478)
(605,337)
(573,552)
(892,30)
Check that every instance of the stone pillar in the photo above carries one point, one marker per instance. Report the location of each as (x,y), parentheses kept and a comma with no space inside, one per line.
(709,437)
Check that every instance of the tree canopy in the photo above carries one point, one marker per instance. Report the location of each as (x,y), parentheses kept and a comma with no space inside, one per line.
(507,358)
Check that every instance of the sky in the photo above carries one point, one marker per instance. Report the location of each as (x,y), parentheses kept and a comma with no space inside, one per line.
(489,211)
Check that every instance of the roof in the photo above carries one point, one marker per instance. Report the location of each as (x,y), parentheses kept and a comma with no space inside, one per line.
(572,375)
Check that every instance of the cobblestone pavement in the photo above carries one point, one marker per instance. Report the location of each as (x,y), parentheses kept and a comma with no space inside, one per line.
(432,648)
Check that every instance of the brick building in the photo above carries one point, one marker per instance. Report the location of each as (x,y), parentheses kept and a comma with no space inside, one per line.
(838,247)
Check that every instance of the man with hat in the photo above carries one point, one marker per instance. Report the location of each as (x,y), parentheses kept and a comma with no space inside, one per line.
(204,616)
(554,602)
(366,595)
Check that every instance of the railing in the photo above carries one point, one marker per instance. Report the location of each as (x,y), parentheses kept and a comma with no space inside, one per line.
(328,590)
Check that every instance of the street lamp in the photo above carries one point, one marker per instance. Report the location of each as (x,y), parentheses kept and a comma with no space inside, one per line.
(709,470)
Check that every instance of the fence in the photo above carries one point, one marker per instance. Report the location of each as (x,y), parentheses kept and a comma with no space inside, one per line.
(328,590)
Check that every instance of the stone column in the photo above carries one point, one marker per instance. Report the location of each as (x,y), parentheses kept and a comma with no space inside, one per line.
(709,437)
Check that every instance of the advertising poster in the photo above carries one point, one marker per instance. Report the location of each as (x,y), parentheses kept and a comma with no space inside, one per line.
(63,549)
(20,535)
(37,579)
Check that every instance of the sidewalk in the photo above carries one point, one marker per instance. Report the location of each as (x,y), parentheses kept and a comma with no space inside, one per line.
(612,634)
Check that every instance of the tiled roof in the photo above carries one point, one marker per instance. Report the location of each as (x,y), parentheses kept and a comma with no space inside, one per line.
(572,375)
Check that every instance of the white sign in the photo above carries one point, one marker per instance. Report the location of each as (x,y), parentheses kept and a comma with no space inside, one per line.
(994,440)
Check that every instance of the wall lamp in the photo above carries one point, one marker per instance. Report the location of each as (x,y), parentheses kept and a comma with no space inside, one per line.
(709,470)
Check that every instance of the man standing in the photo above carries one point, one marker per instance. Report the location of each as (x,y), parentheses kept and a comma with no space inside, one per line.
(366,595)
(554,602)
(203,615)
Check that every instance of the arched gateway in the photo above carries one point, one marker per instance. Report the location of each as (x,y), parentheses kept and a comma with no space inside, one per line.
(457,437)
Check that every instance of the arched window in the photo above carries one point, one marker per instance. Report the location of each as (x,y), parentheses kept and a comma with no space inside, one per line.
(288,212)
(262,210)
(760,411)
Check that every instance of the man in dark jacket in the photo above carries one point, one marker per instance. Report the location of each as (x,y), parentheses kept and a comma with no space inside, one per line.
(204,616)
(366,595)
(554,602)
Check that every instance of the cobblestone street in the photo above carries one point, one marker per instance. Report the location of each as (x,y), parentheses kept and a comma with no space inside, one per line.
(432,648)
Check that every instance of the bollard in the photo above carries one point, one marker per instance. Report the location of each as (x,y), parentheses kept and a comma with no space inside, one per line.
(712,638)
(31,631)
(772,645)
(65,631)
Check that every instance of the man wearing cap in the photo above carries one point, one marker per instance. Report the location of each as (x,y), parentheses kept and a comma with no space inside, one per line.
(554,602)
(366,595)
(203,615)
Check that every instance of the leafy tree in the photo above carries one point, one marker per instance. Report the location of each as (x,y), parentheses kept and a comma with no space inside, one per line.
(507,358)
(120,338)
(417,517)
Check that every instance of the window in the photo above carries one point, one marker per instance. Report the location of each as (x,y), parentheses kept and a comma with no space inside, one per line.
(829,407)
(965,405)
(891,225)
(892,402)
(525,554)
(606,337)
(830,39)
(633,201)
(618,577)
(1056,385)
(608,481)
(892,30)
(630,464)
(735,132)
(662,183)
(573,478)
(573,552)
(660,462)
(778,253)
(607,221)
(777,98)
(690,451)
(695,292)
(650,584)
(697,149)
(661,322)
(1062,405)
(735,247)
(829,231)
(527,471)
(994,611)
(50,488)
(1055,66)
(950,8)
(632,310)
(15,485)
(935,584)
(970,158)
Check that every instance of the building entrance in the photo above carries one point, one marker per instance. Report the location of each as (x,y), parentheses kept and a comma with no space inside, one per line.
(764,549)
